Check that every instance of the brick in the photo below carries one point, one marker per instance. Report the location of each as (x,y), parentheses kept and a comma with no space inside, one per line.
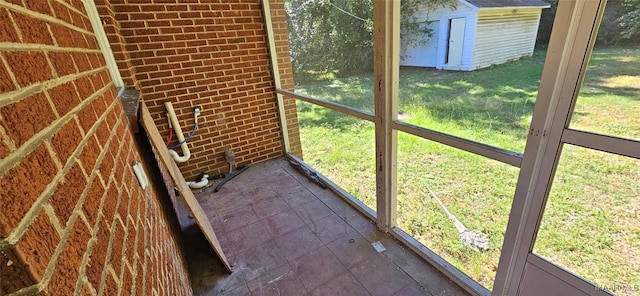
(29,66)
(90,154)
(130,251)
(91,206)
(63,281)
(6,83)
(62,63)
(37,169)
(99,106)
(4,149)
(87,117)
(111,286)
(64,36)
(61,12)
(123,207)
(96,60)
(106,166)
(87,290)
(110,204)
(82,61)
(90,41)
(103,133)
(112,119)
(68,193)
(66,140)
(7,30)
(37,245)
(85,88)
(33,30)
(64,97)
(39,6)
(116,248)
(127,282)
(98,255)
(141,243)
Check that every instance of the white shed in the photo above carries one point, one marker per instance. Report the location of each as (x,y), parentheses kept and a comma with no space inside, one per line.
(475,34)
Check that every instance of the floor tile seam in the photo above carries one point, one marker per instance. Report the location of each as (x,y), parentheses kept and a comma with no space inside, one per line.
(335,239)
(254,213)
(302,218)
(399,268)
(330,279)
(407,273)
(335,212)
(347,271)
(282,200)
(289,261)
(358,280)
(343,264)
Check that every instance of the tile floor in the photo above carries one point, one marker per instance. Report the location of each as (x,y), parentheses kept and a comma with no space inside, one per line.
(284,235)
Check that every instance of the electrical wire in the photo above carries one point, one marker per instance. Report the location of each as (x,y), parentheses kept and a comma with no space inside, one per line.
(195,127)
(348,13)
(170,137)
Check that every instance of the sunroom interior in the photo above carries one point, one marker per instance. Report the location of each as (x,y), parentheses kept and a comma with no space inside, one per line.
(552,132)
(398,206)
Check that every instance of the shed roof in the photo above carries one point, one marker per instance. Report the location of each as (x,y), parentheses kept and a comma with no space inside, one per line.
(507,3)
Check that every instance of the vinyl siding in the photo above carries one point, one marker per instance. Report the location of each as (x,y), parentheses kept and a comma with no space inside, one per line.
(502,36)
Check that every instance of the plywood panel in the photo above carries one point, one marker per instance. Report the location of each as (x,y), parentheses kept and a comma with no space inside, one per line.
(180,183)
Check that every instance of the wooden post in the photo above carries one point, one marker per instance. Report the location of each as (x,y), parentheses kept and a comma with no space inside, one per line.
(276,75)
(386,52)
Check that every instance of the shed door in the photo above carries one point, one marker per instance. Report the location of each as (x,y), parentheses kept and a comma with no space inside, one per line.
(456,40)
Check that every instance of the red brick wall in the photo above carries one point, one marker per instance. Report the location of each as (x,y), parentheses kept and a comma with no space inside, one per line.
(73,218)
(213,54)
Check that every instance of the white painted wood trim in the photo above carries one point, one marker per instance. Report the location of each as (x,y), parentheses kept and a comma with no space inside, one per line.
(276,74)
(103,42)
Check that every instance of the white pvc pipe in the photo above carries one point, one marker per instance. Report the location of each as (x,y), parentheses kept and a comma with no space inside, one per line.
(197,185)
(176,127)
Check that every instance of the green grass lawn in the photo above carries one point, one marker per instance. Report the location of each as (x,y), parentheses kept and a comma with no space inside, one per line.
(591,225)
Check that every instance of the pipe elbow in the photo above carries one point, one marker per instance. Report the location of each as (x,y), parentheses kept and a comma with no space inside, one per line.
(200,184)
(179,158)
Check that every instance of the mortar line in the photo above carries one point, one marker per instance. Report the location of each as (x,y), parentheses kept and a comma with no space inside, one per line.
(22,226)
(7,139)
(10,46)
(69,6)
(26,291)
(21,93)
(108,267)
(39,138)
(48,209)
(11,75)
(78,208)
(94,231)
(54,155)
(41,16)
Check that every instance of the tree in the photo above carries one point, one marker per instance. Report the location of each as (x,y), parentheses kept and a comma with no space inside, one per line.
(338,34)
(630,21)
(620,23)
